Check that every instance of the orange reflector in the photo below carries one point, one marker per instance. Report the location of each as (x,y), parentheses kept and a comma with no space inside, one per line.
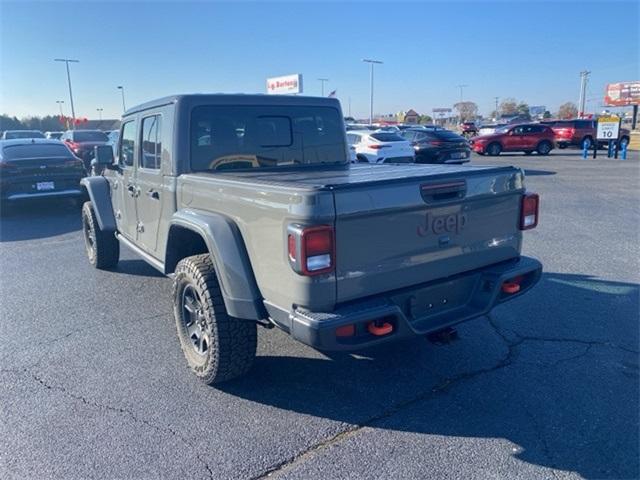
(346,331)
(510,287)
(379,330)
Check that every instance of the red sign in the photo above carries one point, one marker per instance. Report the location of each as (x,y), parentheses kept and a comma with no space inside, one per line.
(622,94)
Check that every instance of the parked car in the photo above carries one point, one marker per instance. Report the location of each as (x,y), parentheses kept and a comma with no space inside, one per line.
(468,129)
(53,135)
(380,147)
(490,128)
(82,142)
(576,132)
(527,138)
(360,126)
(14,134)
(437,146)
(38,168)
(276,228)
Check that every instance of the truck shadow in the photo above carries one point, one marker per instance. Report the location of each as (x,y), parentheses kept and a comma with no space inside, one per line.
(33,220)
(538,173)
(569,405)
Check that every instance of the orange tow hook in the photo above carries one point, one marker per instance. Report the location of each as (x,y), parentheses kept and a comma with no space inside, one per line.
(510,287)
(379,329)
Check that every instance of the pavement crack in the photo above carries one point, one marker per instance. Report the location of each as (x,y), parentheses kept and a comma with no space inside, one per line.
(127,412)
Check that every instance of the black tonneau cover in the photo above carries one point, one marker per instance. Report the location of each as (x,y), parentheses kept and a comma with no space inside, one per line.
(336,177)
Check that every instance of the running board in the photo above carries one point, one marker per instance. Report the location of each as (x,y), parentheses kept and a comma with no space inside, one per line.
(154,262)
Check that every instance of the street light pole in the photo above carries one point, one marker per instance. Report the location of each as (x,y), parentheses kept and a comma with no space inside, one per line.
(322,80)
(371,63)
(99,110)
(584,76)
(60,102)
(121,88)
(496,98)
(67,61)
(461,87)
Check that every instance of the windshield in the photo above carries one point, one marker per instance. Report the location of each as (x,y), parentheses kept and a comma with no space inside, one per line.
(96,136)
(239,137)
(23,134)
(387,137)
(18,152)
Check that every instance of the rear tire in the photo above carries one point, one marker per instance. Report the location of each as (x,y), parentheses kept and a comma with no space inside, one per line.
(103,248)
(544,148)
(217,347)
(493,149)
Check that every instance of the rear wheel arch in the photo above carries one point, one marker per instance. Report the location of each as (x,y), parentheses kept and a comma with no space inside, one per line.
(219,237)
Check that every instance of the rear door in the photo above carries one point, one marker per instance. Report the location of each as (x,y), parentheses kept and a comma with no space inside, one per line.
(531,136)
(149,182)
(391,235)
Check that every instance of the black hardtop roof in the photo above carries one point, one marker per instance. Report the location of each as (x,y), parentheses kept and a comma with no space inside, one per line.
(234,99)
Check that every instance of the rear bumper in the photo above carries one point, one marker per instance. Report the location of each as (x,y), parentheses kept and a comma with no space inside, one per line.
(418,310)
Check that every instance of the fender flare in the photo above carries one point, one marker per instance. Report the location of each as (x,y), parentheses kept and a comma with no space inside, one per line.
(226,246)
(99,192)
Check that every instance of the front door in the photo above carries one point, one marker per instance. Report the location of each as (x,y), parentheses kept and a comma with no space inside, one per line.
(124,183)
(513,140)
(149,183)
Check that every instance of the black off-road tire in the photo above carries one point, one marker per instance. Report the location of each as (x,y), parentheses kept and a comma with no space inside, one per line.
(493,149)
(231,342)
(544,148)
(103,248)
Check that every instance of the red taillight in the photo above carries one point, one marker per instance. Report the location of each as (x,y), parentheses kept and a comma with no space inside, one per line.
(311,250)
(529,209)
(377,146)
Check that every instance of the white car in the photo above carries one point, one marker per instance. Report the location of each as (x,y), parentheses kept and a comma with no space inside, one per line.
(380,147)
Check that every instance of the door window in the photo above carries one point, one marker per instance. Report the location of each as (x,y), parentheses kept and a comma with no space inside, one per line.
(127,144)
(151,142)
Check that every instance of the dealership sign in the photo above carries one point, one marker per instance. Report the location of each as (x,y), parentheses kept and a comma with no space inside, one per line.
(622,94)
(285,84)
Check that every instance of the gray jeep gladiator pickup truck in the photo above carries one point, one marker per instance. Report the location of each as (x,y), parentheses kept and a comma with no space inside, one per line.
(250,203)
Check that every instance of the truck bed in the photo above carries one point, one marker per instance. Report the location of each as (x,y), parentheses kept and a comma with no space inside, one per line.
(338,177)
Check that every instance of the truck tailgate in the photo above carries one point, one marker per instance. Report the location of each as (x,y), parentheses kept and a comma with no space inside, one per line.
(393,234)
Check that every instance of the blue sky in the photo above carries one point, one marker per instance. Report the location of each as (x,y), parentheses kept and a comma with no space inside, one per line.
(532,51)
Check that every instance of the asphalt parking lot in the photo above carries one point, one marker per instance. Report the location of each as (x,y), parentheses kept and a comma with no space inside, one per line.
(93,383)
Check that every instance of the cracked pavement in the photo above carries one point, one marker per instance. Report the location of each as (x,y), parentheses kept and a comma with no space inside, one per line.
(93,383)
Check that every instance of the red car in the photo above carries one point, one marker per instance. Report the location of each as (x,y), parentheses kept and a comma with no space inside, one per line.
(576,132)
(526,138)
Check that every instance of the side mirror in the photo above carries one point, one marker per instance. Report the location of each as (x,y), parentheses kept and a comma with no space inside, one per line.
(103,155)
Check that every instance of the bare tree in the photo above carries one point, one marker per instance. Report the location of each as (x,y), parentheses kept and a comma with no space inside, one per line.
(509,106)
(567,110)
(466,110)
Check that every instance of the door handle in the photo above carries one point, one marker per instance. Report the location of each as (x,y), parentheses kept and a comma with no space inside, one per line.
(133,190)
(153,194)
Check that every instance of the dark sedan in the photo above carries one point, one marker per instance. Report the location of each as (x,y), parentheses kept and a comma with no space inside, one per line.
(81,142)
(38,168)
(438,146)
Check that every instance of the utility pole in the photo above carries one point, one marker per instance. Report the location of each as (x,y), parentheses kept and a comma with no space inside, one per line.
(99,110)
(121,88)
(584,77)
(497,113)
(371,63)
(67,61)
(461,87)
(322,81)
(349,106)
